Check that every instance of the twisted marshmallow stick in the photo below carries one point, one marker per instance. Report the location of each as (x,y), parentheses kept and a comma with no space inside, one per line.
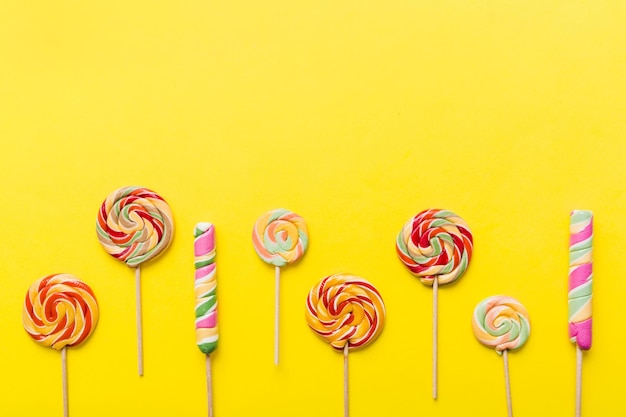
(205,287)
(579,296)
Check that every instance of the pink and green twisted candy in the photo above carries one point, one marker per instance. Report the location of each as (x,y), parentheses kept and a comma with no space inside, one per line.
(580,278)
(205,288)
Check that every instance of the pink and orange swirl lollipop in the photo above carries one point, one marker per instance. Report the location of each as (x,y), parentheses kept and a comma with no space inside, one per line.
(436,246)
(60,311)
(135,225)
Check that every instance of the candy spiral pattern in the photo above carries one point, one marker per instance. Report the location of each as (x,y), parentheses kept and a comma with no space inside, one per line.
(134,225)
(60,310)
(205,287)
(501,322)
(280,237)
(435,244)
(345,309)
(580,278)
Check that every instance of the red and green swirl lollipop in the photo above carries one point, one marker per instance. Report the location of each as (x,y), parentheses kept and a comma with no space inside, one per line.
(435,246)
(135,225)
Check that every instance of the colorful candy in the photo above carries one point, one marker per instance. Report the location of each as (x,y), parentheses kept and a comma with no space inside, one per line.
(435,244)
(580,278)
(134,225)
(280,237)
(205,287)
(345,309)
(502,323)
(59,310)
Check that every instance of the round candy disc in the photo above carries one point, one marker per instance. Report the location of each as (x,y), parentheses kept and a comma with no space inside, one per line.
(59,310)
(134,225)
(280,237)
(501,322)
(345,309)
(435,244)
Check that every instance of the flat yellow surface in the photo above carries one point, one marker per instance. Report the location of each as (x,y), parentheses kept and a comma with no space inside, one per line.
(355,115)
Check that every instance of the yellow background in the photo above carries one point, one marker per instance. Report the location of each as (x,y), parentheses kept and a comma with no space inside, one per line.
(355,115)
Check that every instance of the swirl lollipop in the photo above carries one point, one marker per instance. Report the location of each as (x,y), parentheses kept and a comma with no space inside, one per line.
(60,311)
(347,312)
(205,287)
(280,237)
(135,225)
(502,323)
(579,296)
(436,246)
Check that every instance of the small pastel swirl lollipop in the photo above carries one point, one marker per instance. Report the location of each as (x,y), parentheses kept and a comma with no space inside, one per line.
(60,311)
(279,237)
(347,312)
(502,323)
(436,246)
(580,278)
(134,225)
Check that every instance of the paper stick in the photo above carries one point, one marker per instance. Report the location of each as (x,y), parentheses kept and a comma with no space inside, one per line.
(139,325)
(507,383)
(346,411)
(276,315)
(579,380)
(66,408)
(209,385)
(435,334)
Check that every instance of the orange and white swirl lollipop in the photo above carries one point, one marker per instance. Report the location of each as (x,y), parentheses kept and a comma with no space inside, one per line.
(279,237)
(346,311)
(60,311)
(135,225)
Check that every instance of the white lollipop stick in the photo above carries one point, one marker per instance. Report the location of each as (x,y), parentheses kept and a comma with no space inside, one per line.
(435,334)
(579,380)
(346,411)
(139,325)
(66,408)
(209,385)
(507,383)
(277,315)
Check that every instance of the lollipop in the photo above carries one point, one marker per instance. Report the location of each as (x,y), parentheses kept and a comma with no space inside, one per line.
(347,312)
(205,287)
(135,225)
(436,246)
(60,311)
(579,296)
(280,237)
(502,323)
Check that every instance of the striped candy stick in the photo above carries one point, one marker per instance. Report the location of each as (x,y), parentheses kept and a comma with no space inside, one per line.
(580,285)
(205,288)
